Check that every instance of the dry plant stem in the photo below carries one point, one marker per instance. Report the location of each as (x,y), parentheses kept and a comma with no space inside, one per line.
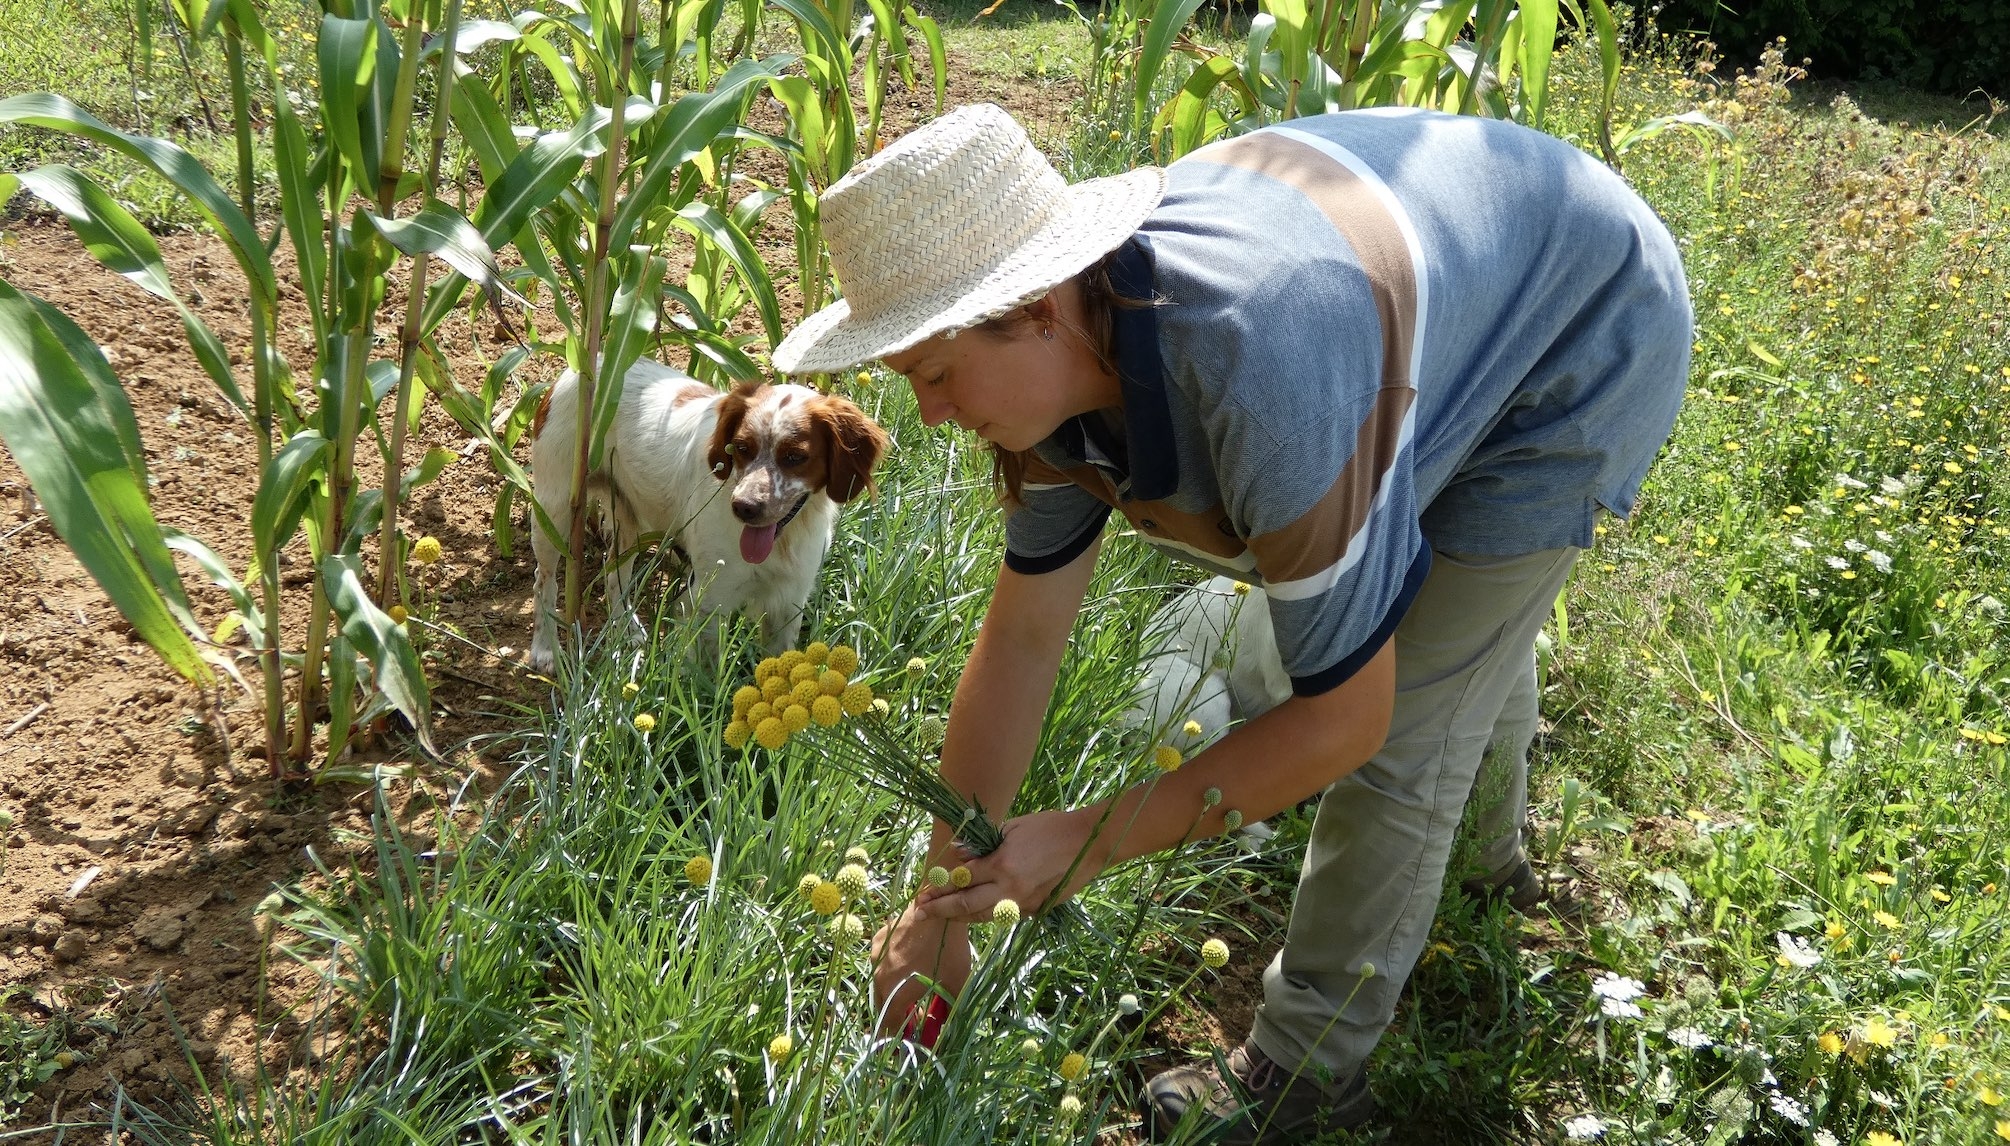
(596,308)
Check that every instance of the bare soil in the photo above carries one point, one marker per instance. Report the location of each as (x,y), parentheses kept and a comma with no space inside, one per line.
(145,831)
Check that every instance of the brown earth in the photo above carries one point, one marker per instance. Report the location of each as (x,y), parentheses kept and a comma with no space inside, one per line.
(144,829)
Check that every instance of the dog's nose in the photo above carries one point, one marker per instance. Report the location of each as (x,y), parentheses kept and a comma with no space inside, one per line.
(746,509)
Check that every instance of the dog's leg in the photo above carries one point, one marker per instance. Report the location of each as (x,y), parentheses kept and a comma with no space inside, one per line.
(554,495)
(620,577)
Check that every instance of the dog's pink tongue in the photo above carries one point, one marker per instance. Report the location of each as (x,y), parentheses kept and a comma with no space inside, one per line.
(756,542)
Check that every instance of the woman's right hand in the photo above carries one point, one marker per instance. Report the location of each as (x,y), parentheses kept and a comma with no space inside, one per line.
(907,947)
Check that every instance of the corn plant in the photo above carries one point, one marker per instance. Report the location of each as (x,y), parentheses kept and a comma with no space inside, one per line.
(342,178)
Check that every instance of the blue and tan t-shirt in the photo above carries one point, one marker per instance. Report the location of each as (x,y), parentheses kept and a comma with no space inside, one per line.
(1378,333)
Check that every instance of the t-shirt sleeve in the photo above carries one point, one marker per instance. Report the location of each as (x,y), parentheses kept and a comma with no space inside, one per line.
(1054,522)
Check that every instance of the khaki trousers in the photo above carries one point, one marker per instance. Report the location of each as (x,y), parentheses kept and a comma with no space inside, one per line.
(1375,866)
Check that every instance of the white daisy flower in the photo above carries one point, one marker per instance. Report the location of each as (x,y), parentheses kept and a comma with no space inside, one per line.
(1796,950)
(1583,1128)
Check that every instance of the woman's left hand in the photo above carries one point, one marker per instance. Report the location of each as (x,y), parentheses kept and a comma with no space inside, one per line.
(1034,859)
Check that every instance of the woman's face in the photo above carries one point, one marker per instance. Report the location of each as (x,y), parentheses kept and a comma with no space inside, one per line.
(1012,387)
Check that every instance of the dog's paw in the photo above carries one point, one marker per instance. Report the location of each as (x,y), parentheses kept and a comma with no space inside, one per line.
(542,660)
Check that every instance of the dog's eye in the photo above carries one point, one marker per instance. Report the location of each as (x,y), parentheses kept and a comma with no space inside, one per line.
(794,458)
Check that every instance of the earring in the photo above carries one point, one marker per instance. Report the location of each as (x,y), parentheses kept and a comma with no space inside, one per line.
(1047,332)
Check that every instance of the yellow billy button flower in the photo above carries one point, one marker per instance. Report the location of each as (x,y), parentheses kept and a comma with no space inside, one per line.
(826,711)
(806,692)
(775,688)
(795,718)
(1070,1108)
(1231,820)
(738,732)
(1192,728)
(645,723)
(1830,1043)
(629,690)
(851,879)
(1167,758)
(916,666)
(847,930)
(398,614)
(426,550)
(780,1048)
(1073,1065)
(1005,913)
(831,682)
(826,898)
(1214,954)
(808,884)
(816,652)
(1030,1049)
(788,661)
(766,669)
(804,670)
(746,697)
(857,854)
(938,876)
(759,711)
(771,734)
(698,869)
(843,658)
(959,877)
(857,697)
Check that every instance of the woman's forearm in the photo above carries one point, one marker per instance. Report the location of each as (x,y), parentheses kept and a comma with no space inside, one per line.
(1002,697)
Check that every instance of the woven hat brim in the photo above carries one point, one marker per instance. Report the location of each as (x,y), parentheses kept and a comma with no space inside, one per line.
(1102,214)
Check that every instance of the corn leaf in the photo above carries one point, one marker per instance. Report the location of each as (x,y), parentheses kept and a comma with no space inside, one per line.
(372,632)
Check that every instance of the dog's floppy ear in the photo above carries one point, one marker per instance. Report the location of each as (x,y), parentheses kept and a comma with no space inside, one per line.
(732,411)
(852,442)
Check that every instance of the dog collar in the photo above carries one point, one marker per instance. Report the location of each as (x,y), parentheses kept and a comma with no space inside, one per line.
(791,515)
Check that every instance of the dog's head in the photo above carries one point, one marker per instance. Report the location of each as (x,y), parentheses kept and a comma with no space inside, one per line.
(775,445)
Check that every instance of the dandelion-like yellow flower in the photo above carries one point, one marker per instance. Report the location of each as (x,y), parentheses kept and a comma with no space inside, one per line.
(847,930)
(759,711)
(809,883)
(1940,896)
(645,723)
(738,732)
(856,698)
(805,693)
(2003,1129)
(1005,913)
(1166,758)
(426,550)
(826,711)
(1070,1108)
(698,869)
(771,734)
(1834,930)
(916,666)
(831,682)
(844,659)
(1214,954)
(816,652)
(1989,1096)
(1192,728)
(795,718)
(1073,1064)
(746,697)
(788,661)
(938,876)
(959,877)
(826,898)
(775,688)
(851,879)
(1830,1043)
(1887,920)
(398,614)
(1881,878)
(767,668)
(803,671)
(1879,1033)
(1880,1138)
(780,1048)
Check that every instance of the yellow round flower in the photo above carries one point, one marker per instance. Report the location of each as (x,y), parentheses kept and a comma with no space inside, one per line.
(698,869)
(426,550)
(805,693)
(831,682)
(1192,728)
(1073,1065)
(916,666)
(774,688)
(766,669)
(398,614)
(771,734)
(1231,820)
(857,854)
(809,883)
(1071,1108)
(938,876)
(851,879)
(803,671)
(1005,913)
(826,898)
(746,697)
(779,1049)
(1166,758)
(826,710)
(816,652)
(847,930)
(959,877)
(789,660)
(759,711)
(645,723)
(844,659)
(1030,1049)
(795,718)
(857,697)
(1213,954)
(738,732)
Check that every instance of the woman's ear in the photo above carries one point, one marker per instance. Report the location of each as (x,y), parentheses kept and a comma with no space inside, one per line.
(853,442)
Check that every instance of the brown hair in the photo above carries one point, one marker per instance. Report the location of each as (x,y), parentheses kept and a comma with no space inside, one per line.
(1100,301)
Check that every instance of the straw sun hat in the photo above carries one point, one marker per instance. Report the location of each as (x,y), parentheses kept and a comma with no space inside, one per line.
(953,224)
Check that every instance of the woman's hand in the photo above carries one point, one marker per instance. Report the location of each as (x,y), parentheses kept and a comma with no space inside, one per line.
(909,946)
(1036,856)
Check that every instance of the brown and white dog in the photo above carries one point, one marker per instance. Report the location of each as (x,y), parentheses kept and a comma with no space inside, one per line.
(746,484)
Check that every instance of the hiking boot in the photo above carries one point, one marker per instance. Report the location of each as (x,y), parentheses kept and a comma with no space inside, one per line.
(1258,1103)
(1519,887)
